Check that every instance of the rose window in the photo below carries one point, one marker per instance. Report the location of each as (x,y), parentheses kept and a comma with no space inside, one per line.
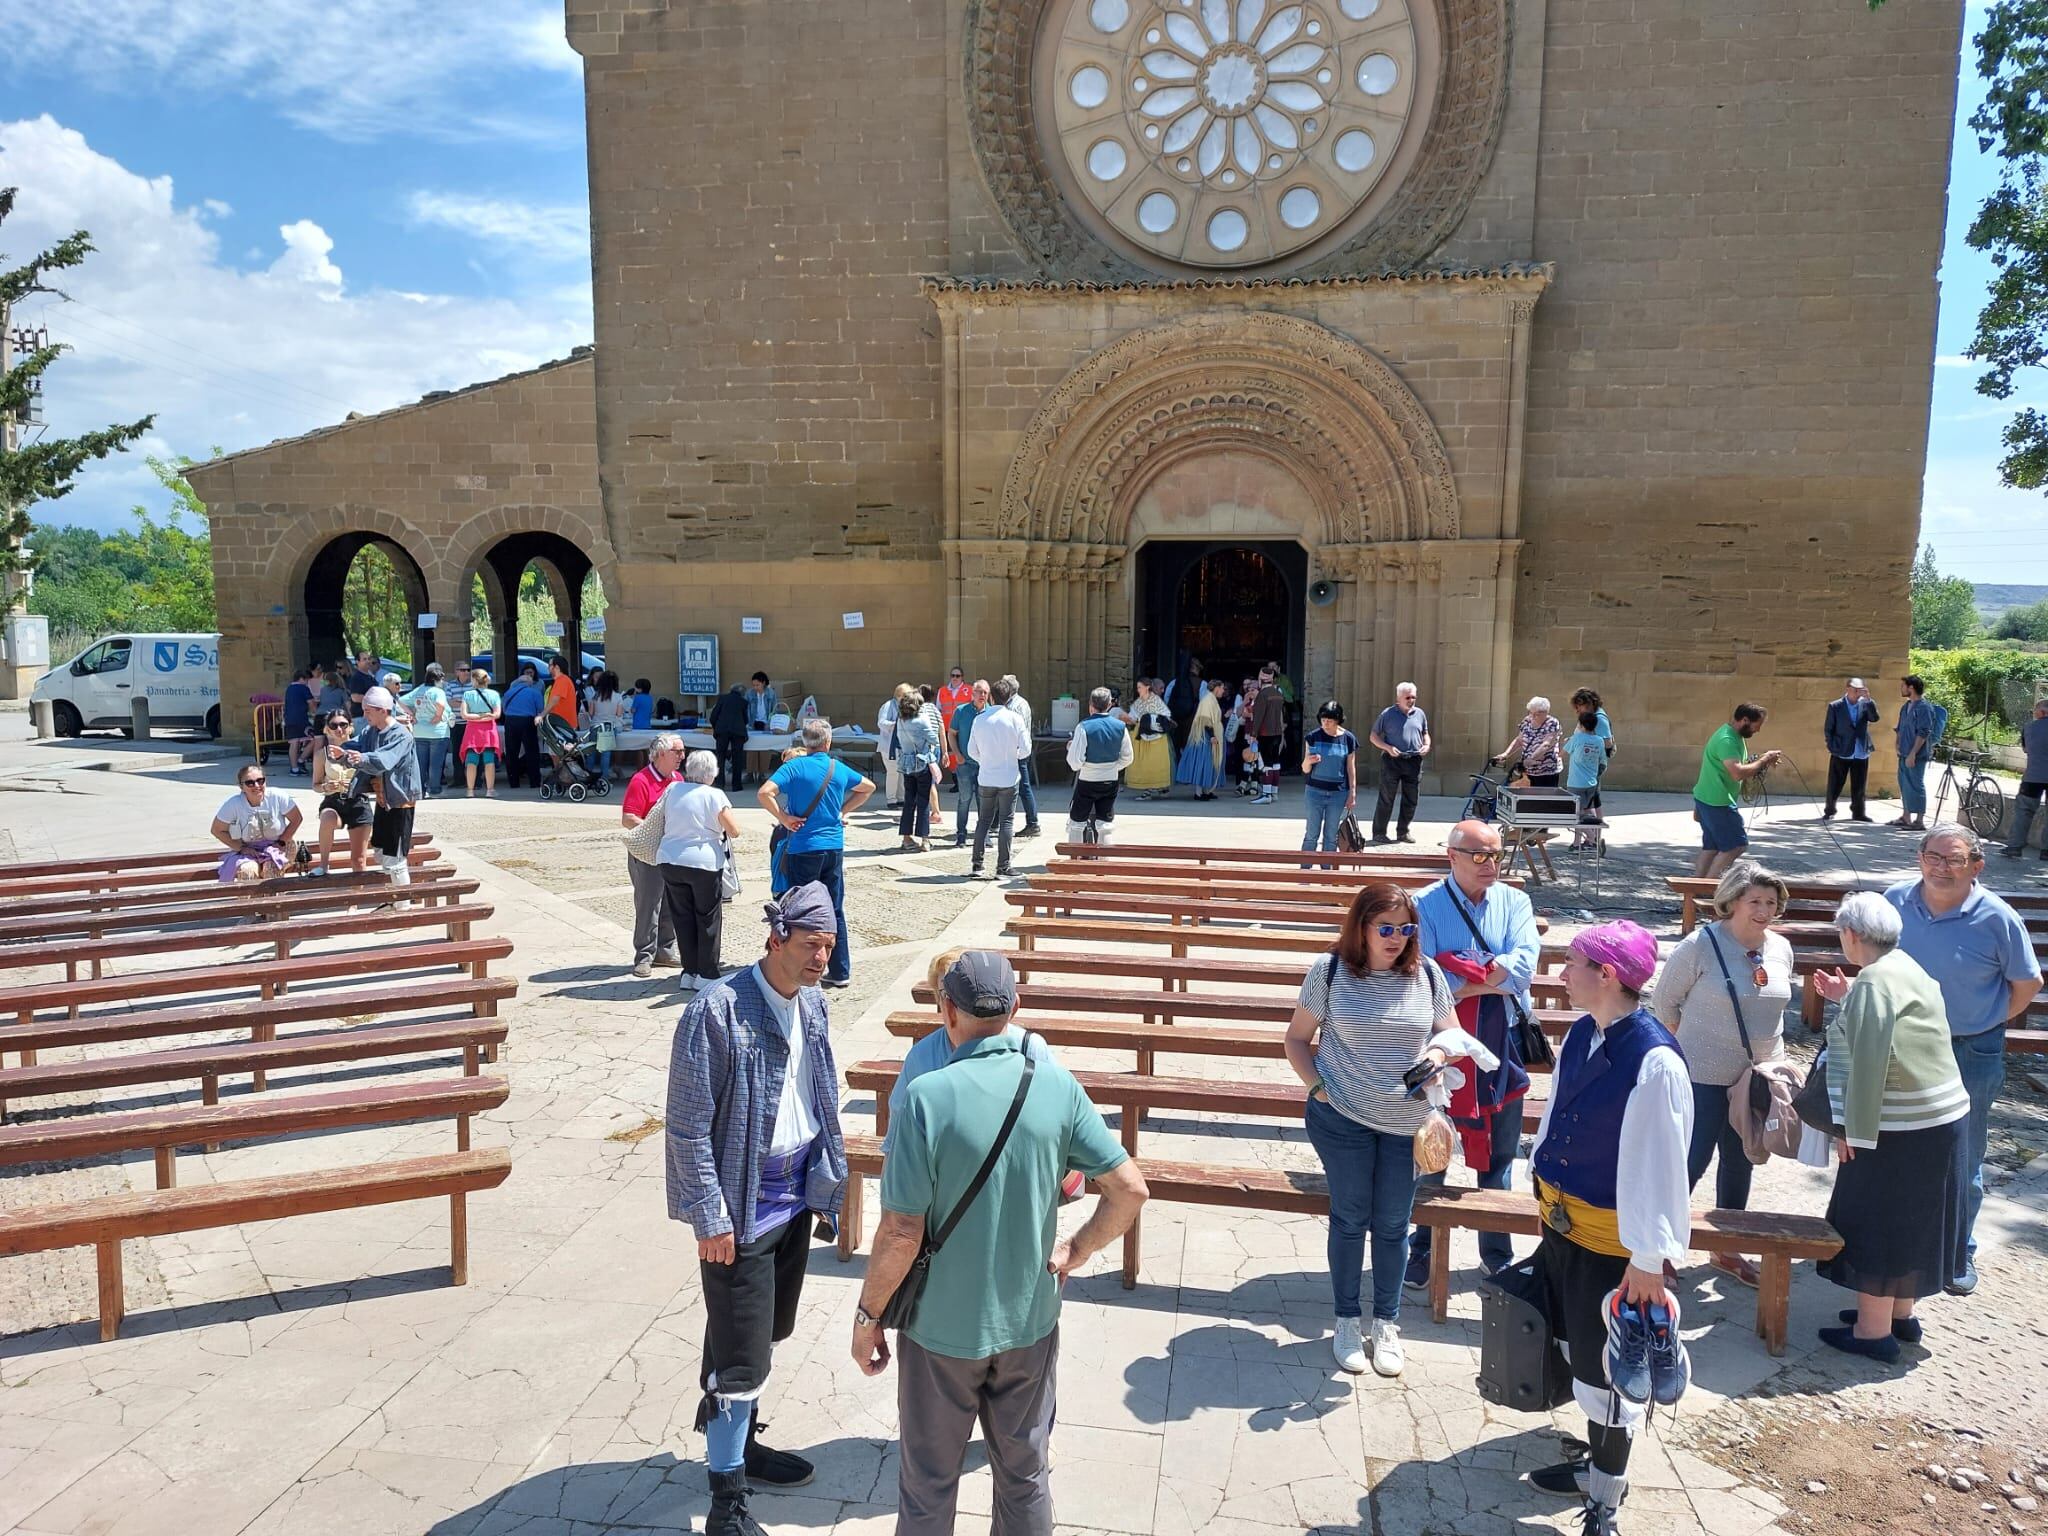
(1229,132)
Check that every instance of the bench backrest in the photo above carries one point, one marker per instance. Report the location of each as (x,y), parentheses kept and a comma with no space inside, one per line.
(456,917)
(208,857)
(1119,852)
(284,906)
(139,879)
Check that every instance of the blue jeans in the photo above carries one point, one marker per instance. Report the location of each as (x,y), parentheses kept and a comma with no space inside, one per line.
(966,779)
(1372,1189)
(1027,789)
(1913,788)
(1325,810)
(827,866)
(428,754)
(604,765)
(1495,1249)
(1710,1129)
(1981,1060)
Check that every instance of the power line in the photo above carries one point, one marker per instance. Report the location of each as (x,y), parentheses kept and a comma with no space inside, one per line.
(184,349)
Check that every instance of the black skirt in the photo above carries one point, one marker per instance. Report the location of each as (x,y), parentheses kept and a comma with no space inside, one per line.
(1902,1209)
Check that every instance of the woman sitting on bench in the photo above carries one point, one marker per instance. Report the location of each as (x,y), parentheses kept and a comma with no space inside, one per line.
(259,827)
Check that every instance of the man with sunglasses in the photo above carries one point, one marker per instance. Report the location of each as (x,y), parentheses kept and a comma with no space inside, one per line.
(1483,935)
(1980,954)
(954,692)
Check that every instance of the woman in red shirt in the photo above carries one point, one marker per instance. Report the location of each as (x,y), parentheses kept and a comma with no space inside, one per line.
(654,936)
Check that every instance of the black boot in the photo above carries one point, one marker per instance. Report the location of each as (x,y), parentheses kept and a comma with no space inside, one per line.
(729,1515)
(768,1468)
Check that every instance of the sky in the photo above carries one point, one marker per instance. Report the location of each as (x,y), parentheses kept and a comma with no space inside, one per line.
(309,207)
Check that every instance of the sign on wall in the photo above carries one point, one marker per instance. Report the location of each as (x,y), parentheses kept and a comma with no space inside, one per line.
(594,627)
(750,626)
(697,664)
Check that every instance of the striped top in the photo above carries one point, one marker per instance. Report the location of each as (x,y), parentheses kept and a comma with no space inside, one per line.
(1374,1027)
(1890,1064)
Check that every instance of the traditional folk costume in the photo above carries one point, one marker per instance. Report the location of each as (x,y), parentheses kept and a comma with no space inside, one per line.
(1610,1175)
(1152,757)
(754,1149)
(1098,752)
(1201,760)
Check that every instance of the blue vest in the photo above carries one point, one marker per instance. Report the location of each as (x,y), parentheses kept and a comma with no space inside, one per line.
(1104,739)
(1589,1096)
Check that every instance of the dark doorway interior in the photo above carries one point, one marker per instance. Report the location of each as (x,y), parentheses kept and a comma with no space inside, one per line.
(325,581)
(1234,606)
(508,560)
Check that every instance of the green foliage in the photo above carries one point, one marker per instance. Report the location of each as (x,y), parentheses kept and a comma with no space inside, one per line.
(376,614)
(1944,607)
(536,608)
(157,575)
(42,470)
(1988,690)
(2028,623)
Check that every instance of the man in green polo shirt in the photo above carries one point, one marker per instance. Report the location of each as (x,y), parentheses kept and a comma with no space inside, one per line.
(983,1343)
(1717,797)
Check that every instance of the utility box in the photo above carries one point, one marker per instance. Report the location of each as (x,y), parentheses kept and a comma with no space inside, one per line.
(25,638)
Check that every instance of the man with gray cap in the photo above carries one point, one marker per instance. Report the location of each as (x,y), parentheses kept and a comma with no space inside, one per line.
(383,748)
(1847,733)
(754,1152)
(975,1158)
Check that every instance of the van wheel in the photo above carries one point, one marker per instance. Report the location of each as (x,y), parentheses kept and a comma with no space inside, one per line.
(66,719)
(213,722)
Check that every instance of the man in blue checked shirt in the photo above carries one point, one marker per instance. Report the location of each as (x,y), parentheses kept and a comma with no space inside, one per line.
(754,1152)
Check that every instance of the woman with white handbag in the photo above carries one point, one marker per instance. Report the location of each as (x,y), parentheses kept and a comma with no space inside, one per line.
(654,935)
(697,825)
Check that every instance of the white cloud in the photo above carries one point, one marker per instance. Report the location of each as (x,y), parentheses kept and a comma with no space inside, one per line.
(559,232)
(1956,360)
(229,355)
(1981,528)
(354,69)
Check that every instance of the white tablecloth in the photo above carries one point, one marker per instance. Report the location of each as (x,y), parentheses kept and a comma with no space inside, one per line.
(757,741)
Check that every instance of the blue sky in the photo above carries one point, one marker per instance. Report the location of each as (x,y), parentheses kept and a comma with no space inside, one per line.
(307,207)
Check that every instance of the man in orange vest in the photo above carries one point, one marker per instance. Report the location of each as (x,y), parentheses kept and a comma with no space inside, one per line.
(955,692)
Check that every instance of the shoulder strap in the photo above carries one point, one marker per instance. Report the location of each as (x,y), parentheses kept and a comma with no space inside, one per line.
(1728,981)
(831,770)
(1513,1001)
(937,1240)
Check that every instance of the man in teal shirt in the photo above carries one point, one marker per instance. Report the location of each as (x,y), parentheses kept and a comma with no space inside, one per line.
(983,1344)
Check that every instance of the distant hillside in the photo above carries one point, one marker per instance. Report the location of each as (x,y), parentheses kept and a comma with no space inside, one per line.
(1994,597)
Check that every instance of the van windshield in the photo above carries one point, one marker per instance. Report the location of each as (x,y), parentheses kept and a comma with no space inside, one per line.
(107,656)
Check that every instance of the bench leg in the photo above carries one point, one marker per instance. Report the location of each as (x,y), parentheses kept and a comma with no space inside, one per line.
(113,1303)
(458,1239)
(1809,1004)
(462,1133)
(1440,1274)
(28,1058)
(1131,1245)
(469,1055)
(491,1051)
(209,1093)
(850,1217)
(166,1167)
(1774,1301)
(262,1034)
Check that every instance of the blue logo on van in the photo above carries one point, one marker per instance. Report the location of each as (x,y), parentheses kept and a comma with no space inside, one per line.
(195,655)
(167,655)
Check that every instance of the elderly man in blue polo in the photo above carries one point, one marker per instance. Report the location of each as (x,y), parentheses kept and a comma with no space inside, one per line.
(754,1152)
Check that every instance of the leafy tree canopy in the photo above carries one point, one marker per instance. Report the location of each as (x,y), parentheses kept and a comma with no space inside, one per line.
(156,575)
(1944,607)
(2028,623)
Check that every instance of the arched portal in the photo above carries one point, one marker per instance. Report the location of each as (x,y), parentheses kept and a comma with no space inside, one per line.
(1232,606)
(563,567)
(346,613)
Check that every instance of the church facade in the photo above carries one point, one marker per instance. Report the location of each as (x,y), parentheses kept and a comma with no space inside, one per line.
(1507,346)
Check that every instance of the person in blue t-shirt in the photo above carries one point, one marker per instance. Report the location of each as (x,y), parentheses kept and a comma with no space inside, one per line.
(1585,756)
(810,797)
(1329,759)
(642,704)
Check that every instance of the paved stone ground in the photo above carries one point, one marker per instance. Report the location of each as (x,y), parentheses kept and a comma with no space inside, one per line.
(318,1375)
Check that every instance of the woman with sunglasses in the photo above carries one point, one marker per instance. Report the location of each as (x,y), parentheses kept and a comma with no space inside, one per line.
(259,827)
(1732,963)
(344,798)
(1365,1015)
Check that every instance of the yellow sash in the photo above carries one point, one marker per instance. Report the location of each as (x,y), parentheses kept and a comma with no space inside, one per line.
(1592,1227)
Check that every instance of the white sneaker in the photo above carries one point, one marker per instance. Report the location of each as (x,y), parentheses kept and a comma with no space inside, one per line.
(1348,1346)
(688,983)
(702,982)
(1387,1359)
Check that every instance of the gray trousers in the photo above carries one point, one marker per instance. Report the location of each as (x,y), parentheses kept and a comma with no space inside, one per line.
(652,930)
(938,1401)
(995,808)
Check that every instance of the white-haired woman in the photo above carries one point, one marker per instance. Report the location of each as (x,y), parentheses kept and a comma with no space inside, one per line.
(654,933)
(1536,743)
(696,821)
(1723,993)
(1901,1191)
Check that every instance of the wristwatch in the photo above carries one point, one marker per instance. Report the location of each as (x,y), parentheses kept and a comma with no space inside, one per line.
(862,1318)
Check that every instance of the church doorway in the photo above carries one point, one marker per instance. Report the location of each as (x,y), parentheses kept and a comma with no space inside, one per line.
(1233,606)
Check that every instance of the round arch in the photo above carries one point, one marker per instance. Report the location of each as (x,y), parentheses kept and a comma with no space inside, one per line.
(320,592)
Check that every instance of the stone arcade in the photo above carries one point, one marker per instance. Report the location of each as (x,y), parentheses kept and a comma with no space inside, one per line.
(1549,341)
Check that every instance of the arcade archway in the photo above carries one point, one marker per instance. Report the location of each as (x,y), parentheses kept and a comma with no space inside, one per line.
(1233,606)
(365,591)
(565,573)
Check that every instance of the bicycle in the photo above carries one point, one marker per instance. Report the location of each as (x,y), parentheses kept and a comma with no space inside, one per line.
(1980,801)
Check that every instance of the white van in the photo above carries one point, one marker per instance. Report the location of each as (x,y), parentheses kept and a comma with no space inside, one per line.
(178,674)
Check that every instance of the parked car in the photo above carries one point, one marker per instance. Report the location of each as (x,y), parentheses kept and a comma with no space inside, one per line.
(178,674)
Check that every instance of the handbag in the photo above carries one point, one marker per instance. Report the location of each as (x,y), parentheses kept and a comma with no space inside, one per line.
(1532,1045)
(903,1304)
(1811,1103)
(644,841)
(728,871)
(1769,1098)
(1349,838)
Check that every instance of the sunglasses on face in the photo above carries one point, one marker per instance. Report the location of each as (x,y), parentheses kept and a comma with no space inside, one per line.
(1759,976)
(1388,930)
(253,783)
(1478,855)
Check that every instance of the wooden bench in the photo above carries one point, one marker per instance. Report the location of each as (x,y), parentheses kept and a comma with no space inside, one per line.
(210,1063)
(121,863)
(259,1015)
(133,880)
(1179,909)
(259,906)
(105,1222)
(1774,1239)
(455,918)
(1175,853)
(1338,897)
(163,1131)
(428,881)
(1178,937)
(1815,898)
(1277,877)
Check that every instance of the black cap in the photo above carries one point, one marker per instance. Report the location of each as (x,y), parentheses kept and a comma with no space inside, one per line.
(982,983)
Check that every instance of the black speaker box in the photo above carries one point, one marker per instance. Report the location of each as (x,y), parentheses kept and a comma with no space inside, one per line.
(1520,1366)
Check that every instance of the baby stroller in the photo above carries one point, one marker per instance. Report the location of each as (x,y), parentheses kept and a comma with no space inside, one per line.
(572,761)
(1482,800)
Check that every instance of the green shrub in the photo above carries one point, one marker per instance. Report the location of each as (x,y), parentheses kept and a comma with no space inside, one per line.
(1988,690)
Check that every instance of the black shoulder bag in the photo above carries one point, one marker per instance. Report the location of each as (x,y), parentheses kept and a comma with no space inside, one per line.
(1759,1095)
(903,1304)
(1529,1037)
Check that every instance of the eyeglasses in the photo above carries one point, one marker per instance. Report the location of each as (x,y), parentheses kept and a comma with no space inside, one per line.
(338,725)
(957,674)
(1947,860)
(1388,930)
(1478,855)
(256,779)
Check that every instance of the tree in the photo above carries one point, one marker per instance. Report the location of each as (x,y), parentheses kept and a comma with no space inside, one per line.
(2028,623)
(1944,607)
(156,575)
(42,470)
